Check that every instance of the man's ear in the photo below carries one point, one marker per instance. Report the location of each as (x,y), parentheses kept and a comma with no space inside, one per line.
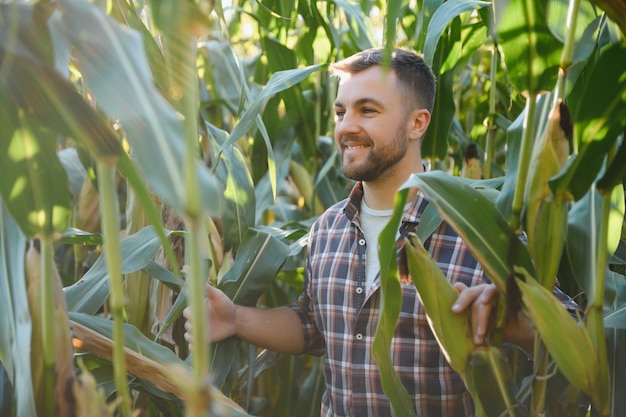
(419,120)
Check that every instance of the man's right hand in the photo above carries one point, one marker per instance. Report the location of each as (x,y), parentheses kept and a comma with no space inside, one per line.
(221,313)
(278,329)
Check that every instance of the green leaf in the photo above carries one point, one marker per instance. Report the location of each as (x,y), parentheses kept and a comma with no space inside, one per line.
(133,338)
(586,31)
(615,173)
(153,128)
(358,30)
(239,197)
(33,182)
(478,222)
(440,20)
(15,319)
(435,142)
(89,293)
(530,51)
(259,258)
(279,81)
(55,104)
(596,128)
(23,31)
(583,234)
(125,12)
(390,306)
(74,236)
(616,319)
(75,170)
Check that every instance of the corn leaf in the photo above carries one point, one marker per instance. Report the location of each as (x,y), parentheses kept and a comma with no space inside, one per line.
(15,319)
(604,83)
(154,130)
(33,182)
(531,52)
(89,293)
(478,222)
(259,259)
(279,81)
(441,18)
(146,359)
(390,306)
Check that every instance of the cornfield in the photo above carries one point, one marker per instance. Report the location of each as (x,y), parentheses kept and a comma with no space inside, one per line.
(147,147)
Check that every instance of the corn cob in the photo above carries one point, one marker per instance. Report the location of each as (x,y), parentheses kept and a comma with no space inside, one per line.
(453,331)
(304,182)
(487,369)
(471,163)
(546,214)
(569,344)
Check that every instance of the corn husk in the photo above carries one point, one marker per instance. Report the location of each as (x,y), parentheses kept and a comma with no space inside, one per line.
(569,343)
(453,331)
(546,213)
(489,379)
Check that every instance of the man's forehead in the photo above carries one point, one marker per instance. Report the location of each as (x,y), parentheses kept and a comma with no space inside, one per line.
(366,87)
(375,73)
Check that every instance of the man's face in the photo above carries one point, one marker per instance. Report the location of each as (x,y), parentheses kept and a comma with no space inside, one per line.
(370,124)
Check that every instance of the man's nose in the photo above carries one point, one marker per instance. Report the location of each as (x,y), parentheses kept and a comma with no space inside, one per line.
(347,125)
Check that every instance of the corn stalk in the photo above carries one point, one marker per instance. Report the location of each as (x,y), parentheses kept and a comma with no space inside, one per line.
(111,231)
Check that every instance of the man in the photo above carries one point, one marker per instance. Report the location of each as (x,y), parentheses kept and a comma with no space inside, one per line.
(381,118)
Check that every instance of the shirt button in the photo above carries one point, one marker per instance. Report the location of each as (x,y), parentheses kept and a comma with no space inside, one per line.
(359,290)
(359,336)
(362,242)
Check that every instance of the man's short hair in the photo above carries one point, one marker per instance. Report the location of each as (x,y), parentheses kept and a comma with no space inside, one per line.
(413,73)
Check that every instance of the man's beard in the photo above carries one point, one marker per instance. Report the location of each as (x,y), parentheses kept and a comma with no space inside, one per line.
(378,159)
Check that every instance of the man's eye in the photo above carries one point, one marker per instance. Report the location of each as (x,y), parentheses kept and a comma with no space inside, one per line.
(339,113)
(368,110)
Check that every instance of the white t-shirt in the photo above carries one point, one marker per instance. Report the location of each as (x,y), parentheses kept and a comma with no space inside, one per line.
(372,223)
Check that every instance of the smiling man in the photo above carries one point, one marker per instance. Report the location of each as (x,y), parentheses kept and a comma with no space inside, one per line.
(381,117)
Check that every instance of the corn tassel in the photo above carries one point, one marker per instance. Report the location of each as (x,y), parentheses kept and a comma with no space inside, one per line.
(569,344)
(546,214)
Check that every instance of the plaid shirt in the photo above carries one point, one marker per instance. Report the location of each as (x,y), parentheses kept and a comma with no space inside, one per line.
(340,319)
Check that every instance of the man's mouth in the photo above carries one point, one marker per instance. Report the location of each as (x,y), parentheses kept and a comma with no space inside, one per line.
(352,146)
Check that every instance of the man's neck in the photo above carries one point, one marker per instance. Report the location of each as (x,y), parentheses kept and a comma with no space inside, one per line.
(380,195)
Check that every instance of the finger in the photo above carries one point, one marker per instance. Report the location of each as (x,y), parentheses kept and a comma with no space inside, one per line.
(187,313)
(481,312)
(467,296)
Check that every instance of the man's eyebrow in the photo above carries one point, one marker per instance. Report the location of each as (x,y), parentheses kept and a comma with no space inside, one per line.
(361,102)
